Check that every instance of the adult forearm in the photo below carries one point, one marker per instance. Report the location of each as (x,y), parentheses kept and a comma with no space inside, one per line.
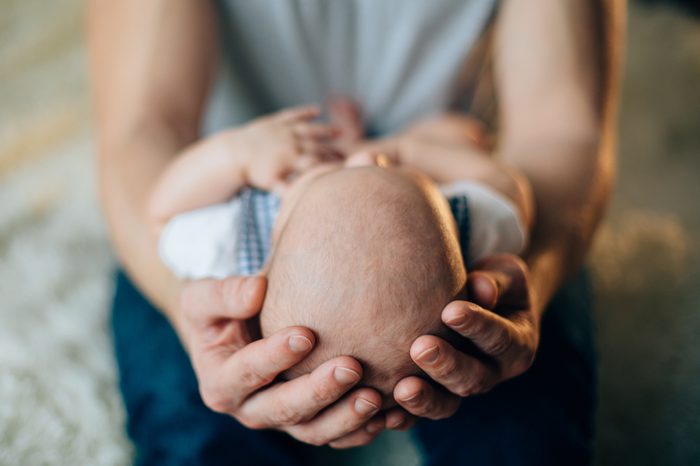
(128,170)
(571,178)
(151,65)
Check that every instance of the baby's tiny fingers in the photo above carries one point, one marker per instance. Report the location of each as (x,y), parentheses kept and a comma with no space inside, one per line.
(304,162)
(316,131)
(304,112)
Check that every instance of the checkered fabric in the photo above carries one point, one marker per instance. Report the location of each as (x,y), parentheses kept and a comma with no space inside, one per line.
(259,210)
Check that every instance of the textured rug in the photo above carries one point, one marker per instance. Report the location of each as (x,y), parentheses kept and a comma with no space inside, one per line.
(58,399)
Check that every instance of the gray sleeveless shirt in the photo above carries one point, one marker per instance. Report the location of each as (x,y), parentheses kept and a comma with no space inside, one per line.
(400,59)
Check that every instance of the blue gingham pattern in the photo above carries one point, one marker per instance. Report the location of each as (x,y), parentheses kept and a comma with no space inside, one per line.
(259,210)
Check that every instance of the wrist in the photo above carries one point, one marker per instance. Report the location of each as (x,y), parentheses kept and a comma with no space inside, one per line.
(234,152)
(402,145)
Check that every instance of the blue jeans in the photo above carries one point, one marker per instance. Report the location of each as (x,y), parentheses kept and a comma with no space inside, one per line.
(544,417)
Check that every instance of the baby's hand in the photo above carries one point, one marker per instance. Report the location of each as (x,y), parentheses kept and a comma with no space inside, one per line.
(285,143)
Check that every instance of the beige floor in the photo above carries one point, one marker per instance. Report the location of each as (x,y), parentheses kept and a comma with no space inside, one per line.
(57,382)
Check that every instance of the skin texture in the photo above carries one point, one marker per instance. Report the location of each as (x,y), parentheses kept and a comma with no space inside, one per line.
(367,260)
(550,62)
(262,154)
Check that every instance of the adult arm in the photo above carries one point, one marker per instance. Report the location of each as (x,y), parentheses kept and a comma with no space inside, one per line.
(152,64)
(555,65)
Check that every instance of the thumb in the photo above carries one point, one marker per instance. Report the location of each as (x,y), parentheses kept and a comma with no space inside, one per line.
(203,301)
(500,281)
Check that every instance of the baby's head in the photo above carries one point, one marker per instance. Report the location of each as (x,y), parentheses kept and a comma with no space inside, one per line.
(366,258)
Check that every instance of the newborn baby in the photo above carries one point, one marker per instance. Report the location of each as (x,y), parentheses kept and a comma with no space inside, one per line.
(367,259)
(363,253)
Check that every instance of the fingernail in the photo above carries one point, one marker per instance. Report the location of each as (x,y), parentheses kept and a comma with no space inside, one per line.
(365,407)
(430,355)
(394,422)
(345,376)
(457,320)
(299,344)
(374,427)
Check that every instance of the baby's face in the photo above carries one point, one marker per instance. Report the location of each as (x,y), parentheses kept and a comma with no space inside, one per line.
(366,257)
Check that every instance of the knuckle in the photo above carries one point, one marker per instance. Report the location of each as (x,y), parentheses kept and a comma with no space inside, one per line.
(249,422)
(473,383)
(523,364)
(213,400)
(317,441)
(445,367)
(499,344)
(287,416)
(322,394)
(312,438)
(252,378)
(463,389)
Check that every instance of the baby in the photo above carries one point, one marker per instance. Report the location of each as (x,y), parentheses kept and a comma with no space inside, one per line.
(363,253)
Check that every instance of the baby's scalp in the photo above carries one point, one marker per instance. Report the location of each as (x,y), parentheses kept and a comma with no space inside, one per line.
(367,260)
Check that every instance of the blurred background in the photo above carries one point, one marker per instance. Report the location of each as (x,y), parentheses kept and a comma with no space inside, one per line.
(58,398)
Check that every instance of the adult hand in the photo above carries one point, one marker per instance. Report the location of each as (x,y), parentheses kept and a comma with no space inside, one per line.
(502,324)
(237,376)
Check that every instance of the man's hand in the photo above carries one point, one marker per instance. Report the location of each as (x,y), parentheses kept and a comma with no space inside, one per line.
(507,337)
(237,376)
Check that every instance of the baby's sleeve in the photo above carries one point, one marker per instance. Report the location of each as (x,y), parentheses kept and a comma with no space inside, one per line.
(488,222)
(202,243)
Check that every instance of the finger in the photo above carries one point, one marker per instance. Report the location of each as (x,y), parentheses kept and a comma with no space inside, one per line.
(362,436)
(305,162)
(421,399)
(315,131)
(309,147)
(298,400)
(459,373)
(482,289)
(509,274)
(346,114)
(304,112)
(253,367)
(399,419)
(490,332)
(332,154)
(340,419)
(233,297)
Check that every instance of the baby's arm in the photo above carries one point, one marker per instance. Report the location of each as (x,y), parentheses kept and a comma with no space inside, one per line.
(454,148)
(260,154)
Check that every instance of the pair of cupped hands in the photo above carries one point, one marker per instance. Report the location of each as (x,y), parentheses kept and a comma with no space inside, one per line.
(238,371)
